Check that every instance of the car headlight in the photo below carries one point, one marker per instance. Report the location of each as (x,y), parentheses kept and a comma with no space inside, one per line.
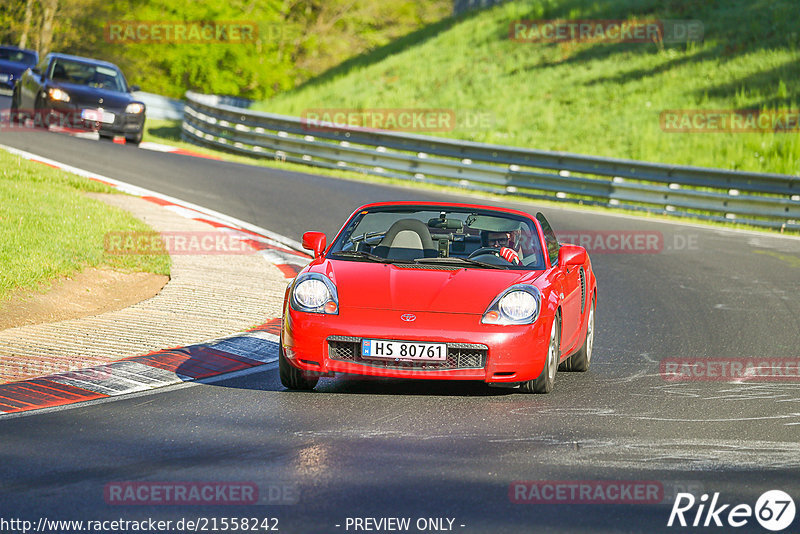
(315,293)
(134,107)
(519,304)
(58,94)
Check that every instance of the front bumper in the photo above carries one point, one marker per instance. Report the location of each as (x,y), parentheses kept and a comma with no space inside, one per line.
(330,344)
(124,123)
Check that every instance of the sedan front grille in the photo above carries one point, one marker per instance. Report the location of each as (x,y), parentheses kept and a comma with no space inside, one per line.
(459,356)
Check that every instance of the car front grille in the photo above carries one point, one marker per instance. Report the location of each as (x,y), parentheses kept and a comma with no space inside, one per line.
(459,356)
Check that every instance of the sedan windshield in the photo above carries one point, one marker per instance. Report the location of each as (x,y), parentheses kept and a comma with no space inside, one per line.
(17,56)
(89,74)
(441,236)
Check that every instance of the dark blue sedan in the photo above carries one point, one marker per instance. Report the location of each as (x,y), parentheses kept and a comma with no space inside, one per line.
(13,62)
(78,92)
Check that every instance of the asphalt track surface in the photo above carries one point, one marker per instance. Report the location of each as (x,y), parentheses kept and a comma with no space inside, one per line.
(391,448)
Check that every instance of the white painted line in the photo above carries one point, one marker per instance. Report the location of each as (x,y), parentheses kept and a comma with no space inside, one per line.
(111,385)
(278,257)
(186,213)
(264,335)
(144,374)
(157,147)
(250,347)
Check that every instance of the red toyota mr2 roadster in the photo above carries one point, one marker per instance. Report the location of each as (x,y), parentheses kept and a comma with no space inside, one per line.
(440,291)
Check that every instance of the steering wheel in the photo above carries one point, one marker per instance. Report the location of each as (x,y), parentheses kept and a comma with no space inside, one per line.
(486,250)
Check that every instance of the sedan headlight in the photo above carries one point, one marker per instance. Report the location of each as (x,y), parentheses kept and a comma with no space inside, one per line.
(134,107)
(58,94)
(519,304)
(315,293)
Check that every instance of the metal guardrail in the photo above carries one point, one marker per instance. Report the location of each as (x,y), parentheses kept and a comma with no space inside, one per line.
(162,107)
(768,200)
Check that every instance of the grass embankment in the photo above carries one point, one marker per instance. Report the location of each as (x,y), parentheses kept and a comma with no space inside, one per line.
(49,228)
(590,98)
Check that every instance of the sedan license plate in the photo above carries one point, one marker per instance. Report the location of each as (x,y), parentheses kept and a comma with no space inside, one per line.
(4,77)
(90,115)
(382,349)
(98,115)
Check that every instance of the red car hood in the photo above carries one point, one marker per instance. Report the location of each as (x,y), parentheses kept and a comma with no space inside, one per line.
(388,287)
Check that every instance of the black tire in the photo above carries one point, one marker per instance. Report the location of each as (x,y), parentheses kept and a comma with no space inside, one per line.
(292,377)
(13,111)
(545,381)
(41,114)
(134,139)
(581,360)
(14,108)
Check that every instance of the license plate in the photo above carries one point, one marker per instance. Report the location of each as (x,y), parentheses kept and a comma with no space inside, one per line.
(97,115)
(4,77)
(382,349)
(90,115)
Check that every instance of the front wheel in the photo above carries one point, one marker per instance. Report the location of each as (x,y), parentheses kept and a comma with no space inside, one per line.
(545,381)
(42,115)
(134,139)
(13,112)
(14,108)
(291,376)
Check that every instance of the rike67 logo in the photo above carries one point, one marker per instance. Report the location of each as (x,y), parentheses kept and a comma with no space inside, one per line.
(774,510)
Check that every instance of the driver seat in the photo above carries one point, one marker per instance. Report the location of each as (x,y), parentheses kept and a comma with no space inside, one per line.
(59,73)
(407,239)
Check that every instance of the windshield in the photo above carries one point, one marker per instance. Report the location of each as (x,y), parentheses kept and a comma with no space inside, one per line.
(18,56)
(463,237)
(80,73)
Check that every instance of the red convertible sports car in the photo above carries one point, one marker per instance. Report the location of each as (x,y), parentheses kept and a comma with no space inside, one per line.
(440,291)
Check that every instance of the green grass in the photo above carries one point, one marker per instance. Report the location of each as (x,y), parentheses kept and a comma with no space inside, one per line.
(589,98)
(50,229)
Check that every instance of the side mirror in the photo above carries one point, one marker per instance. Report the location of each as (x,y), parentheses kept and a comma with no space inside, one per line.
(315,241)
(134,88)
(571,255)
(36,71)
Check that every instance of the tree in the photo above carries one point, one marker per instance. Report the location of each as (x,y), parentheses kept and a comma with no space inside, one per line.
(26,24)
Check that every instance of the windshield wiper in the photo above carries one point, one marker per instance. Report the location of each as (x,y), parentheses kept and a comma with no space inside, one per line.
(456,259)
(366,256)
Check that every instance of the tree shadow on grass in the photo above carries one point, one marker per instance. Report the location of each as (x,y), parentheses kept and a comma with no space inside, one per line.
(170,133)
(377,55)
(765,84)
